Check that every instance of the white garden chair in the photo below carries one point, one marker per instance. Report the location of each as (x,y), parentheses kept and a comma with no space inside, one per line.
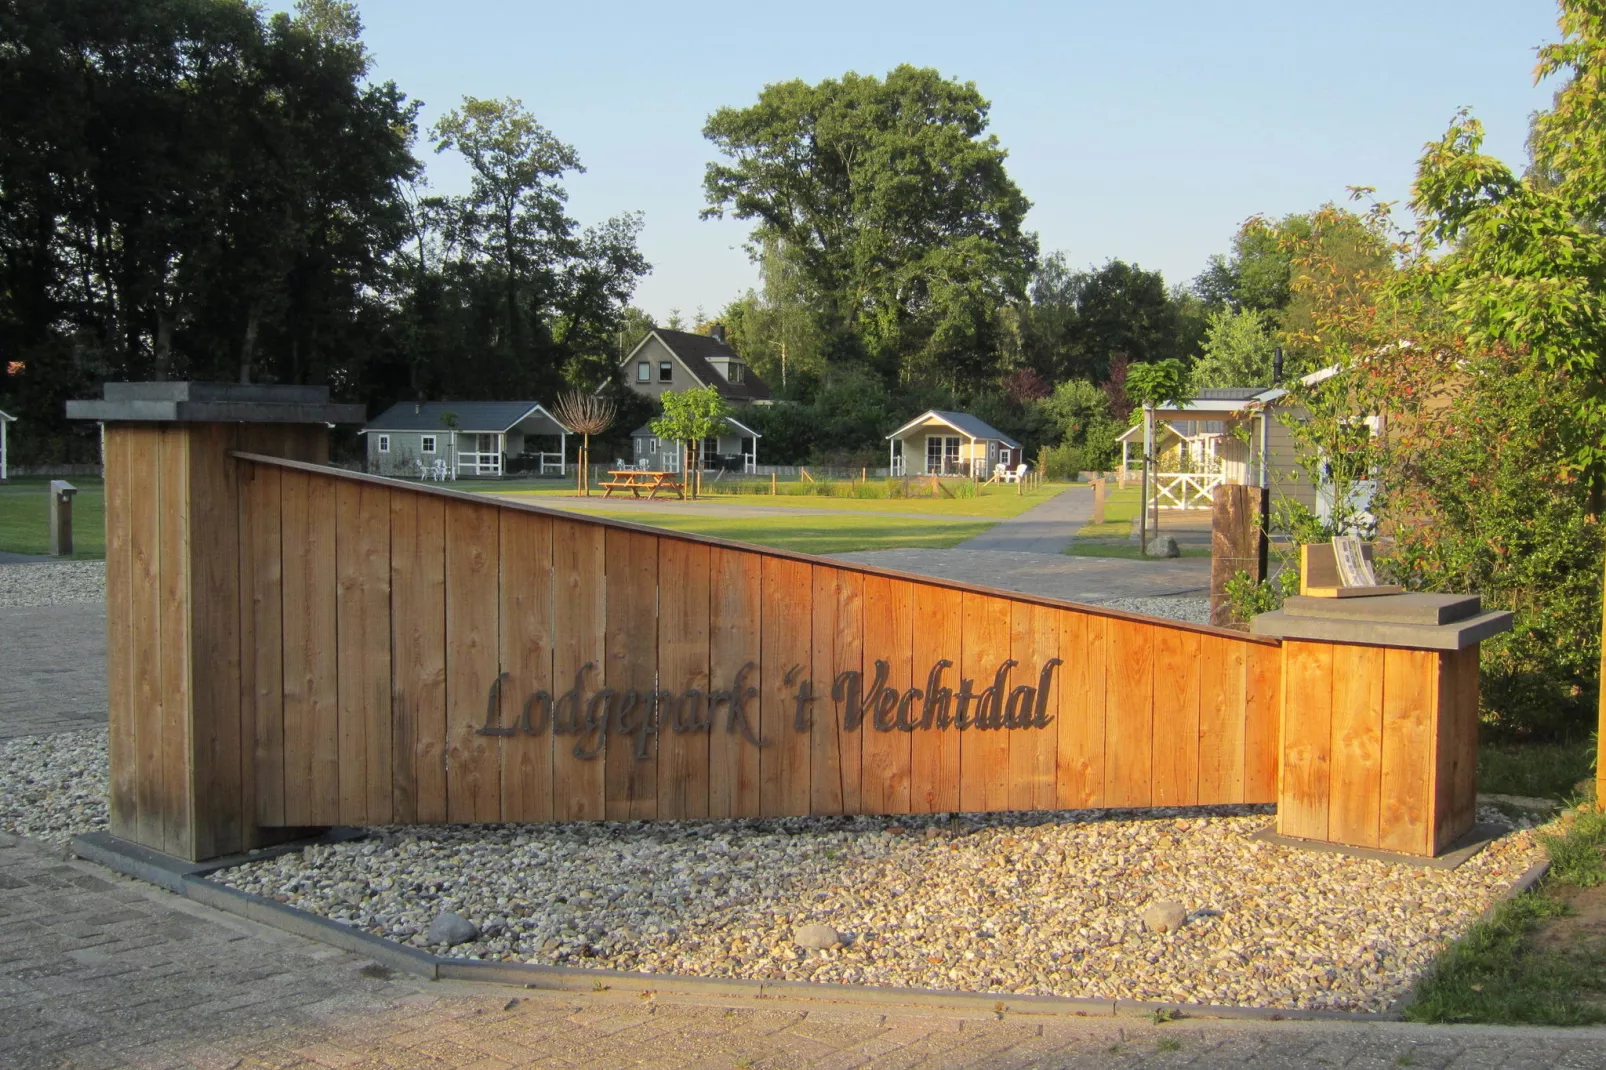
(1015,476)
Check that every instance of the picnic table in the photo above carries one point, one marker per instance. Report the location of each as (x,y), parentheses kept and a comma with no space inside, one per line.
(635,481)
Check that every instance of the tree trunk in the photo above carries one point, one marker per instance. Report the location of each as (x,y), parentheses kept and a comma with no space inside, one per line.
(164,345)
(248,347)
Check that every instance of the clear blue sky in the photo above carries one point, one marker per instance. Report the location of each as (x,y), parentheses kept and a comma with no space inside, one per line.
(1141,130)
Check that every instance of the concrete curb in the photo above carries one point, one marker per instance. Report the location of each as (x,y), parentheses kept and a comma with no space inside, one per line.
(189,879)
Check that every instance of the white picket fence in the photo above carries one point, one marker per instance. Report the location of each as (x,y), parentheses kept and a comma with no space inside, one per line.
(1185,490)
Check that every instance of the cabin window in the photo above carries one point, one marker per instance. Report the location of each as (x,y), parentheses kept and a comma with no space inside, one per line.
(426,444)
(643,372)
(950,455)
(735,372)
(652,445)
(666,372)
(384,443)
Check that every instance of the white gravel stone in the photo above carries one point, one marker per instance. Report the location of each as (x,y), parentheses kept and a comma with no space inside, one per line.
(816,935)
(52,583)
(54,787)
(1020,903)
(1164,917)
(450,929)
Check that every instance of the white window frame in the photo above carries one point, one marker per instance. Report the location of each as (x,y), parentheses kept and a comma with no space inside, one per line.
(384,443)
(644,372)
(736,372)
(427,444)
(652,445)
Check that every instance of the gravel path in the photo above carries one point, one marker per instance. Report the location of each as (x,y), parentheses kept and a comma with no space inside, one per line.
(53,583)
(54,787)
(1192,610)
(1045,903)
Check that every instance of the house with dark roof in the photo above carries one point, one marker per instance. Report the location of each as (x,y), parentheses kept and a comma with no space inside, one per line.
(679,360)
(944,443)
(447,439)
(736,450)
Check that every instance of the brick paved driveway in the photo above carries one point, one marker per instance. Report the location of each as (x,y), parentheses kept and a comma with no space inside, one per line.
(100,971)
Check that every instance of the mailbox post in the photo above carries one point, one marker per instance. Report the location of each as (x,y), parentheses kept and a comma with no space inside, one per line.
(61,495)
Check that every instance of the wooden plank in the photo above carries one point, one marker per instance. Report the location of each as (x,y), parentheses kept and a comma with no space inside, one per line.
(1455,781)
(884,747)
(631,771)
(527,640)
(262,636)
(578,576)
(1079,756)
(735,623)
(786,637)
(939,617)
(1178,670)
(122,740)
(836,647)
(1410,699)
(362,562)
(1237,543)
(1129,713)
(1263,690)
(173,550)
(984,744)
(216,747)
(1222,695)
(1304,788)
(351,647)
(1034,643)
(1357,744)
(683,651)
(418,666)
(145,605)
(473,612)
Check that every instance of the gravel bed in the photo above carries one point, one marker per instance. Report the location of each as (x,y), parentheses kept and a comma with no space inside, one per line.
(54,787)
(1192,610)
(1043,903)
(52,583)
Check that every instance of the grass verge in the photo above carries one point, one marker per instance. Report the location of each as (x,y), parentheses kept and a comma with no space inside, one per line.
(1538,959)
(826,534)
(25,517)
(990,503)
(1544,770)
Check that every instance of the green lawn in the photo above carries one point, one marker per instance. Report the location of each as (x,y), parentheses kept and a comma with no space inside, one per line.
(25,520)
(821,534)
(992,503)
(1540,959)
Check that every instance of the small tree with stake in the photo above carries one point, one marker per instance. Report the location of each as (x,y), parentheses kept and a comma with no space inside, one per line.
(689,417)
(588,414)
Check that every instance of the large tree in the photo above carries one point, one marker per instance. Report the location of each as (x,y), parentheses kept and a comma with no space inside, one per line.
(895,205)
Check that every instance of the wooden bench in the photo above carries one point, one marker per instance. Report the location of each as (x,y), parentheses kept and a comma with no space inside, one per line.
(636,481)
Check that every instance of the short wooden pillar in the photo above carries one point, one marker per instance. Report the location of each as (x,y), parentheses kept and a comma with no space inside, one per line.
(61,496)
(1098,500)
(181,752)
(1379,726)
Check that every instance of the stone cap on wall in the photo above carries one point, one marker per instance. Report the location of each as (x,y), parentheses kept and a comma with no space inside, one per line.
(1413,620)
(186,402)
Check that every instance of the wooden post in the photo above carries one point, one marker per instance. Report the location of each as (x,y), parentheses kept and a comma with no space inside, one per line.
(1238,543)
(1098,501)
(182,729)
(773,491)
(61,494)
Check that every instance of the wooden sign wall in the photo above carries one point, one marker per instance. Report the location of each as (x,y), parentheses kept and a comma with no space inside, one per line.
(413,654)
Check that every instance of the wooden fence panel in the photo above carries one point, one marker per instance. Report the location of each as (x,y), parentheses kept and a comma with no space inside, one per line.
(579,566)
(473,658)
(442,657)
(938,654)
(685,727)
(526,659)
(736,619)
(1305,790)
(631,754)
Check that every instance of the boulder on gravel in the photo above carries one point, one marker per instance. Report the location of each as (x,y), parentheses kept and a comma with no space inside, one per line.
(1164,917)
(816,935)
(452,929)
(1163,546)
